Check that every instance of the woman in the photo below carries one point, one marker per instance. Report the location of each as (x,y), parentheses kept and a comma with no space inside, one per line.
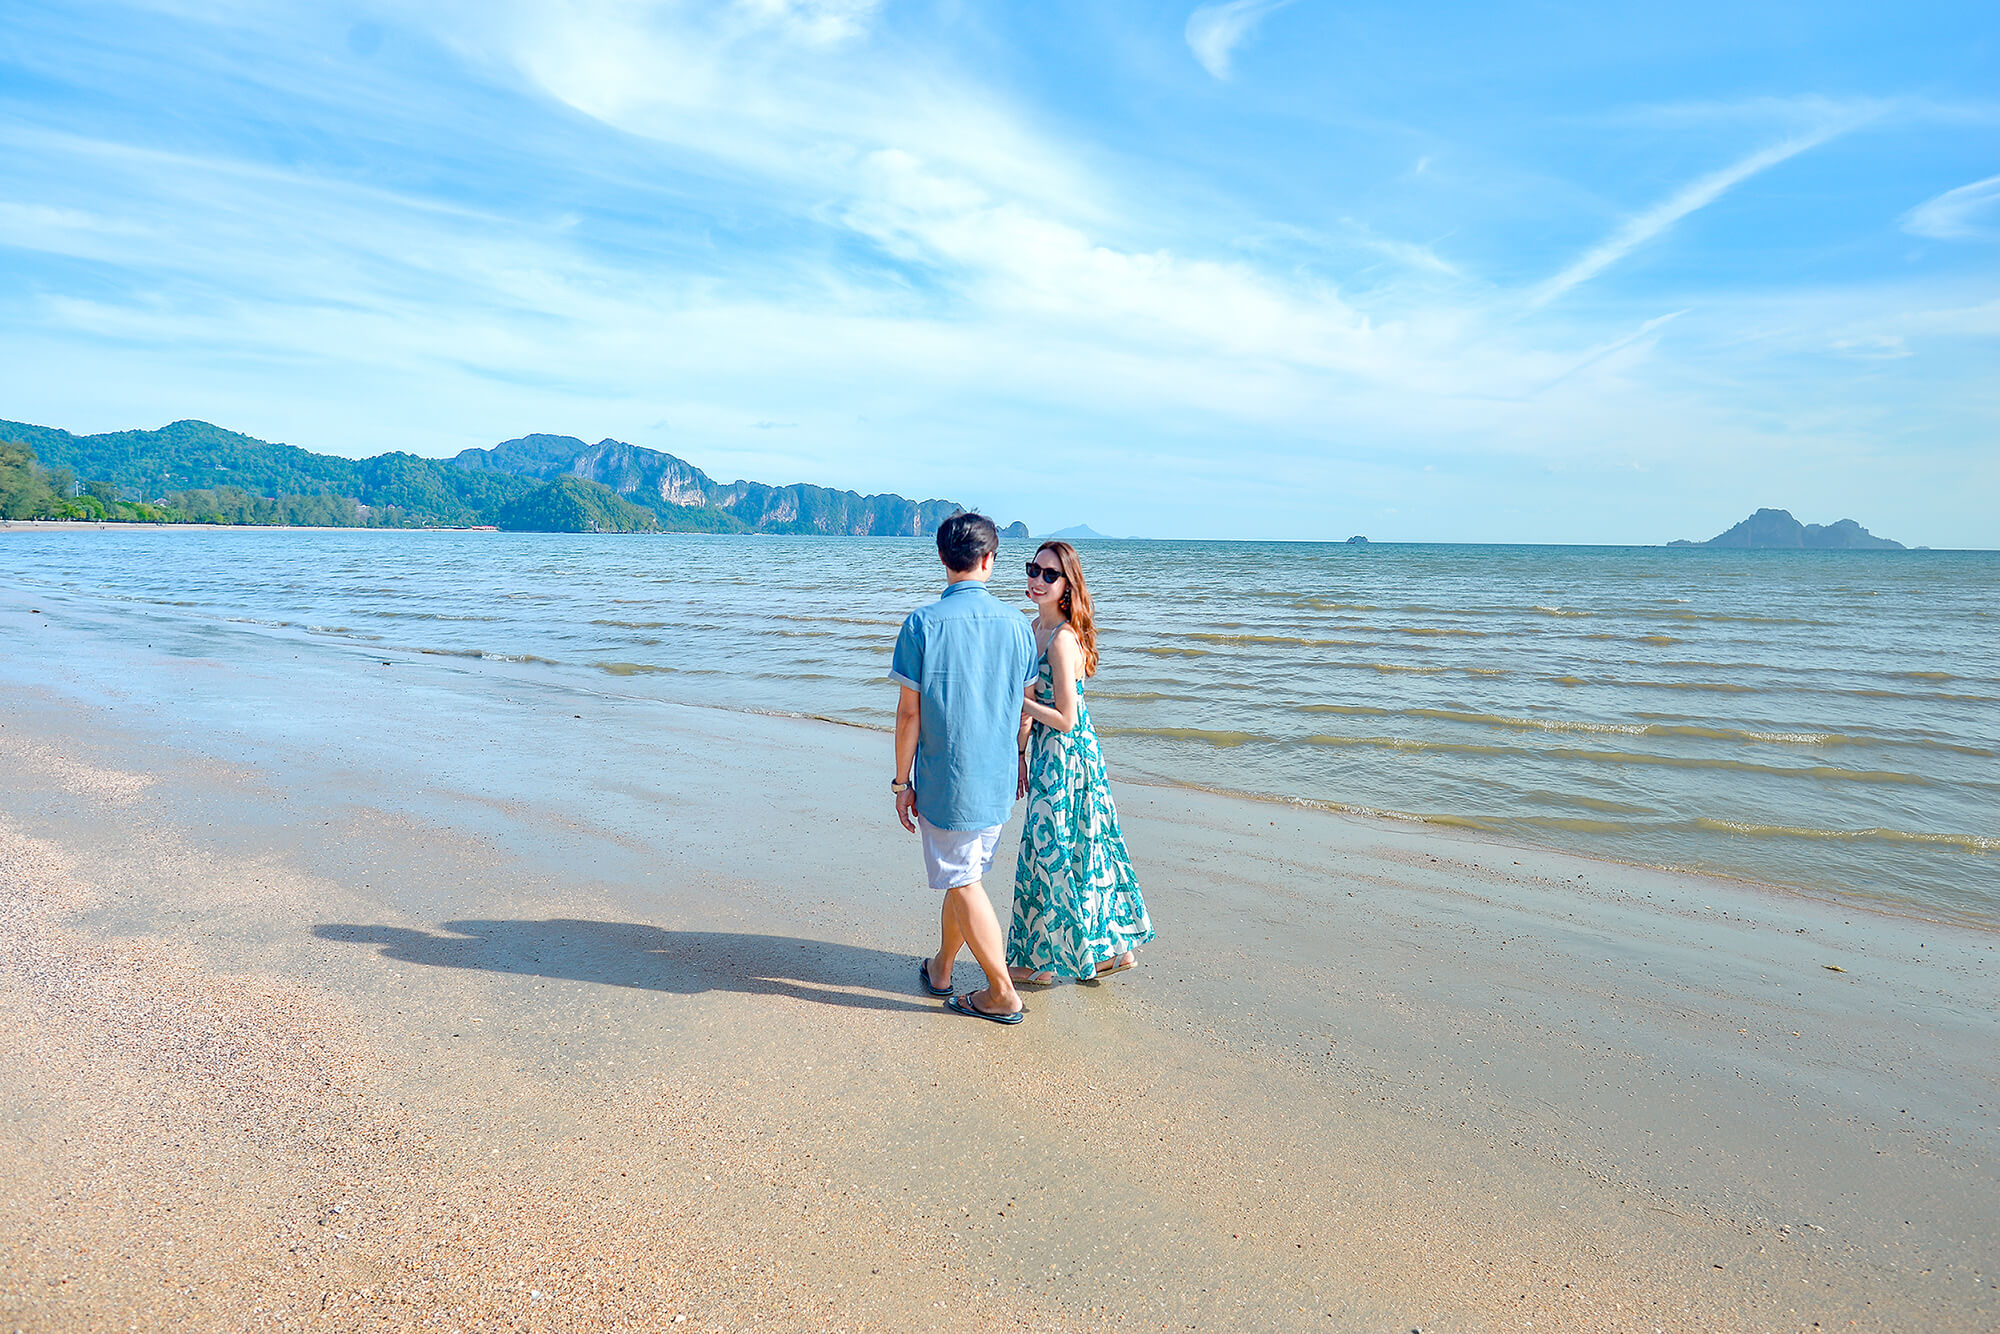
(1077,909)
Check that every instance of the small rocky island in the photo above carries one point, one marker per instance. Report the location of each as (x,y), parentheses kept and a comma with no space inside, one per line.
(1777,530)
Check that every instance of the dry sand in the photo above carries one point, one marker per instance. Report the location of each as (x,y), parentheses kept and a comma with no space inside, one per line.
(380,1002)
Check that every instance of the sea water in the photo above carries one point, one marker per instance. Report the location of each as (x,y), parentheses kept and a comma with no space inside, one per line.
(1828,721)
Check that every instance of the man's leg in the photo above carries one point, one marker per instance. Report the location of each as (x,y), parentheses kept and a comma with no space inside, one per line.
(968,909)
(950,941)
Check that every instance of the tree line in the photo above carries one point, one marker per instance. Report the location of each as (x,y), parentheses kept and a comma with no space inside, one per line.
(30,491)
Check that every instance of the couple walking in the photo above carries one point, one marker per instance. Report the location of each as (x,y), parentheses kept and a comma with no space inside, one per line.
(992,710)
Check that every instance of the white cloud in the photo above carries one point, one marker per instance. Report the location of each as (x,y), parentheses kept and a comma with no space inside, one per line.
(1644,226)
(1215,31)
(1957,215)
(814,20)
(1873,347)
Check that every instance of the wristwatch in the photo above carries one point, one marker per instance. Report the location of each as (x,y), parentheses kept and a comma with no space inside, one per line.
(898,786)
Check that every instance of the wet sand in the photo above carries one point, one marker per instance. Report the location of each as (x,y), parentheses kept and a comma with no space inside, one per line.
(420,997)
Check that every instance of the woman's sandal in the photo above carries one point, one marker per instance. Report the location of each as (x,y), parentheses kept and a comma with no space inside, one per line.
(1044,978)
(1117,965)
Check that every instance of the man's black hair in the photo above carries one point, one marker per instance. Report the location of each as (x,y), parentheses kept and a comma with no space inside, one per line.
(965,539)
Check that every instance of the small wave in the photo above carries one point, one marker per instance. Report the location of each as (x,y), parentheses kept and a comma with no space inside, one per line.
(1276,641)
(1388,668)
(1641,729)
(1538,724)
(1543,797)
(875,621)
(1563,611)
(1410,743)
(1435,630)
(634,625)
(385,614)
(1453,821)
(1726,618)
(1963,842)
(1348,710)
(486,655)
(1821,771)
(1170,651)
(632,668)
(1924,676)
(1724,687)
(1221,740)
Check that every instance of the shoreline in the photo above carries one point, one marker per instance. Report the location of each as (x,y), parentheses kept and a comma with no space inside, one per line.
(624,981)
(73,524)
(78,525)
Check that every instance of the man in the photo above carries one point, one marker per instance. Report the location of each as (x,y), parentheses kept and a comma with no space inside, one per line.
(962,662)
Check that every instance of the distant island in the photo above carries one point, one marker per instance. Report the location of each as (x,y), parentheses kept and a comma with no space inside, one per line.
(1777,530)
(195,472)
(1081,532)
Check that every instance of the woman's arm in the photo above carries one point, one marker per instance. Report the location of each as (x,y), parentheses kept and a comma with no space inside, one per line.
(1021,750)
(1065,659)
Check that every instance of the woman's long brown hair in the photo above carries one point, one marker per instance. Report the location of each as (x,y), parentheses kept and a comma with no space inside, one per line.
(1075,601)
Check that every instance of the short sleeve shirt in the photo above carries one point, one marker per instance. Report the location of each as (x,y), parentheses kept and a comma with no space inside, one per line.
(967,656)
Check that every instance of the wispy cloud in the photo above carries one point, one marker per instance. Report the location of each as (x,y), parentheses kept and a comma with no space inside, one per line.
(1644,226)
(1215,31)
(1957,215)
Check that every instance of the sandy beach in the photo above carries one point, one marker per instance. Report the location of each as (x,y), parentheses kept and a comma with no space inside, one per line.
(355,994)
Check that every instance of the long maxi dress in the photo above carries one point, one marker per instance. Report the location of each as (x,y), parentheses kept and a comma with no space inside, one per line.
(1076,900)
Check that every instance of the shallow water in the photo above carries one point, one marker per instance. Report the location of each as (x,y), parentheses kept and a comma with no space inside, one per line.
(1829,720)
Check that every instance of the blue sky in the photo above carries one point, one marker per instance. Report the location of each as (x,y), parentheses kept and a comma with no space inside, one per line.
(1563,273)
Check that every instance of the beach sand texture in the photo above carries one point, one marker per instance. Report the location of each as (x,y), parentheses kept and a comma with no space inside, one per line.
(347,996)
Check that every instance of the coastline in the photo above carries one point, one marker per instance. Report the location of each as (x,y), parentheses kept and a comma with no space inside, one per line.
(603,997)
(94,525)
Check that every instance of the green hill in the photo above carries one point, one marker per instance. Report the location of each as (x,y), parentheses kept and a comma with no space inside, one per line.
(192,471)
(218,476)
(572,505)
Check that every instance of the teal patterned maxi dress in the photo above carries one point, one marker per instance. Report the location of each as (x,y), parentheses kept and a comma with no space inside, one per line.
(1076,900)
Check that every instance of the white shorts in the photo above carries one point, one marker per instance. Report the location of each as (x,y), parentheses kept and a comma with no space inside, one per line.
(955,857)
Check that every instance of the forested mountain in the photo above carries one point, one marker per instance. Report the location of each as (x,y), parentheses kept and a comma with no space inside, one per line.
(192,471)
(685,497)
(218,476)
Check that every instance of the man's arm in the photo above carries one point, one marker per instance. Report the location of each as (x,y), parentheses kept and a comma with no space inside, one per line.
(909,717)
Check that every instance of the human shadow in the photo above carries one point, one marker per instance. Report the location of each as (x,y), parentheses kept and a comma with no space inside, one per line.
(630,954)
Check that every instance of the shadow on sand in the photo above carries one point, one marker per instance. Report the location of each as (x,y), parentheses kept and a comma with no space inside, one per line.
(628,954)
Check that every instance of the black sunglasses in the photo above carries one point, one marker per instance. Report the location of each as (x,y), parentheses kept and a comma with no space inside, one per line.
(1047,576)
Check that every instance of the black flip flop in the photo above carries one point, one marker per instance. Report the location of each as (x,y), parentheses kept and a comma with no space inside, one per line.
(962,1005)
(924,976)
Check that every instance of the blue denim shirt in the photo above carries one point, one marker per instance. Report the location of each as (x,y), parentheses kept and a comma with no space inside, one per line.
(967,656)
